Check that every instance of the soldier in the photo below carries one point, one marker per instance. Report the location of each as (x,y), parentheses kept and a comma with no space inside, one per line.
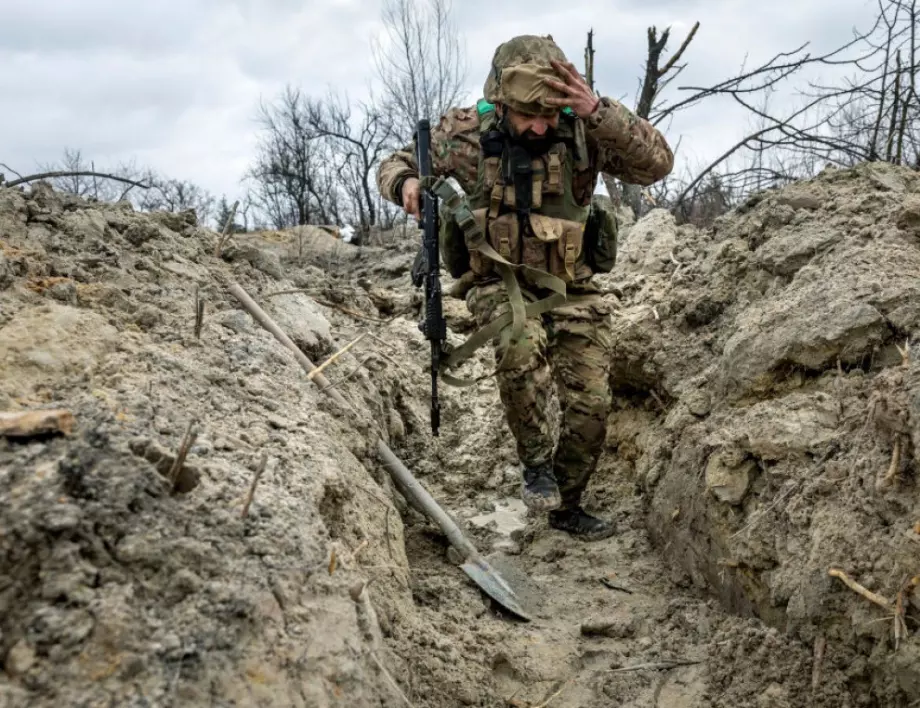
(528,157)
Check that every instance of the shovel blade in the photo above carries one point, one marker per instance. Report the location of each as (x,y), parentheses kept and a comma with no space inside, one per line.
(494,585)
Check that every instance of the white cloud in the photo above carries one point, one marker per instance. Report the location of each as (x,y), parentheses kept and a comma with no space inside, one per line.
(176,84)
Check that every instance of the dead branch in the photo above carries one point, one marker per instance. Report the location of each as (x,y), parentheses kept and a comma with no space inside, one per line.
(905,353)
(683,47)
(351,373)
(817,661)
(187,441)
(225,233)
(655,666)
(651,86)
(252,487)
(589,59)
(893,468)
(199,314)
(10,169)
(352,313)
(860,590)
(555,695)
(332,359)
(390,678)
(79,173)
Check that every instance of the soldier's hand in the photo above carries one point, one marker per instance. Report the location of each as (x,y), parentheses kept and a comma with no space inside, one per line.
(578,95)
(410,197)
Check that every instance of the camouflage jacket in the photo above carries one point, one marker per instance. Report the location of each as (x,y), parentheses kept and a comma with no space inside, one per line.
(620,144)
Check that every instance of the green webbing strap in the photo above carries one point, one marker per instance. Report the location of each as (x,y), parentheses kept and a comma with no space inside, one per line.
(453,197)
(485,334)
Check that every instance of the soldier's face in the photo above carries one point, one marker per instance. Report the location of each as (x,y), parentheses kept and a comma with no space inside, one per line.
(534,127)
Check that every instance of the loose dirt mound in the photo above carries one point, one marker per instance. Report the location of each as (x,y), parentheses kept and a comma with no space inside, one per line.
(784,436)
(739,446)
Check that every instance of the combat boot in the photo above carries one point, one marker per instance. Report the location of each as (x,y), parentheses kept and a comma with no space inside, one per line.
(539,490)
(576,521)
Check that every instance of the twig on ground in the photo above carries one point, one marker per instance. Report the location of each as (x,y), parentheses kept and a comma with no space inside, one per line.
(900,607)
(390,678)
(187,441)
(905,353)
(325,303)
(361,547)
(893,468)
(860,589)
(555,695)
(793,487)
(386,344)
(897,608)
(607,582)
(332,359)
(348,311)
(820,646)
(199,313)
(252,487)
(655,666)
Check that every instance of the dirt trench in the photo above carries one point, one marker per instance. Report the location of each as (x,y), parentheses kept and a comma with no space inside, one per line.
(763,382)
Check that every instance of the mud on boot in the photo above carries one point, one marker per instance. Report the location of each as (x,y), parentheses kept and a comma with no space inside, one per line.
(580,523)
(538,488)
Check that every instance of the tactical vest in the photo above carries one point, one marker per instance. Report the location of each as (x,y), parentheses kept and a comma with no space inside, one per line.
(555,235)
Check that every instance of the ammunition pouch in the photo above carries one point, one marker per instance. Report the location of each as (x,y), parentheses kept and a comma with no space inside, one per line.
(600,237)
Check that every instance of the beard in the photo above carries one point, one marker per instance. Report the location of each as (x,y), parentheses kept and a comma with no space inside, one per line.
(534,144)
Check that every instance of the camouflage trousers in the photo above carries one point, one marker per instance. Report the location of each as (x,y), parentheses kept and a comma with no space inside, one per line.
(570,345)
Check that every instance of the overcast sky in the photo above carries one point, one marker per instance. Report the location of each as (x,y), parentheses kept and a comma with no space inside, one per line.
(176,84)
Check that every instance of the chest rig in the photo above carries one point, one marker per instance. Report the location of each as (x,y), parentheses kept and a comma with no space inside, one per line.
(521,219)
(524,202)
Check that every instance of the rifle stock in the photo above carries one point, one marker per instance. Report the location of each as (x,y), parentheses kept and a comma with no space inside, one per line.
(433,326)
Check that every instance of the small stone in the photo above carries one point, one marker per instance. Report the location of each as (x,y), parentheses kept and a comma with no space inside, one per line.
(396,426)
(236,321)
(728,483)
(140,232)
(184,583)
(615,627)
(276,421)
(699,403)
(148,316)
(19,659)
(61,517)
(6,272)
(64,291)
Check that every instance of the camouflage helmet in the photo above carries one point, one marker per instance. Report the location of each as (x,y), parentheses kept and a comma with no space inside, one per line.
(518,69)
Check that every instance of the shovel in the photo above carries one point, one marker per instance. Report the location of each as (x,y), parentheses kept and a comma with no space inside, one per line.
(474,565)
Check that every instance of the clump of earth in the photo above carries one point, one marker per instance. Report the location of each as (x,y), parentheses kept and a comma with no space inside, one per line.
(765,432)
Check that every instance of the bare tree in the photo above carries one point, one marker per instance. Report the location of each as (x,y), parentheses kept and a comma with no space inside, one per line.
(419,62)
(143,187)
(290,185)
(655,79)
(170,194)
(872,114)
(357,147)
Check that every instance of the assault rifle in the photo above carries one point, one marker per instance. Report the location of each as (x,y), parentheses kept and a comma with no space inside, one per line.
(427,267)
